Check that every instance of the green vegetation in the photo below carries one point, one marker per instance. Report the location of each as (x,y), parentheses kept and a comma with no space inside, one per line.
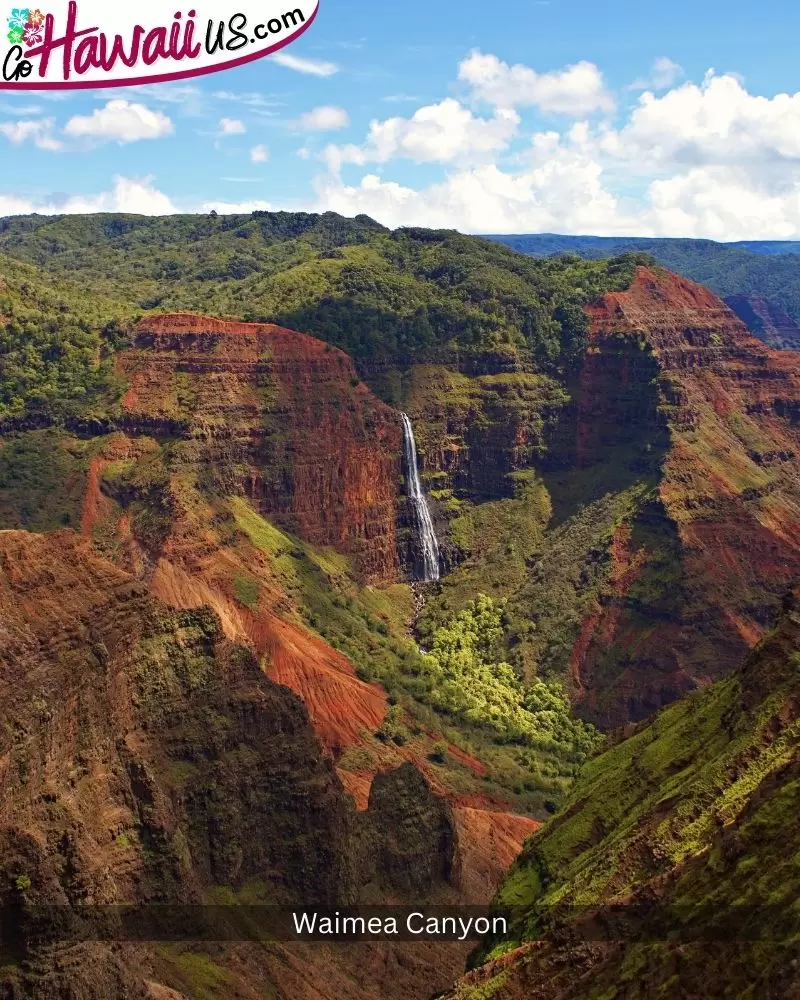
(194,972)
(393,300)
(247,590)
(72,285)
(56,345)
(460,689)
(42,480)
(726,269)
(467,680)
(694,813)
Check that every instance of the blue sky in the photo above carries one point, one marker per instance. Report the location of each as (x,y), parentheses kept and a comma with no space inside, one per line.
(525,116)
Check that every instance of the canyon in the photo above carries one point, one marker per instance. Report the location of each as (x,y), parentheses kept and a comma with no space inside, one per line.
(219,592)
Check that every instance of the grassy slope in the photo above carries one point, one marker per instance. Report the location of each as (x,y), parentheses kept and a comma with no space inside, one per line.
(542,538)
(696,810)
(370,625)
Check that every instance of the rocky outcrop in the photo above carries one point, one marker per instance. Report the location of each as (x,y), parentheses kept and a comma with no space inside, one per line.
(712,417)
(478,424)
(411,833)
(145,758)
(278,417)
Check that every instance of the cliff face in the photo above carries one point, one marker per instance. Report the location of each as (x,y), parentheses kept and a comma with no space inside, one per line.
(697,575)
(767,321)
(145,758)
(640,514)
(278,417)
(672,869)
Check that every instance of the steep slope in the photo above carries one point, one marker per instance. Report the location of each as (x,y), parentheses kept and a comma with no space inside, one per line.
(643,515)
(595,488)
(672,871)
(758,279)
(278,417)
(766,320)
(698,583)
(145,759)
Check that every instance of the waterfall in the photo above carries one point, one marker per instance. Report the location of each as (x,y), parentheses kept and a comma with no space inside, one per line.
(427,536)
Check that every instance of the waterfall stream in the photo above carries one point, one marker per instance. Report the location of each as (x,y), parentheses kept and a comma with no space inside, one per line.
(427,536)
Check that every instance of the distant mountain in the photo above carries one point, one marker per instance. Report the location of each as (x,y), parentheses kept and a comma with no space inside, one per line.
(759,279)
(768,247)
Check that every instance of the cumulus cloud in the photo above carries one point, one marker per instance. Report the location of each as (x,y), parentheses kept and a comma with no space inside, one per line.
(315,67)
(726,203)
(576,90)
(704,159)
(717,121)
(120,121)
(438,133)
(322,119)
(135,196)
(37,131)
(561,191)
(259,154)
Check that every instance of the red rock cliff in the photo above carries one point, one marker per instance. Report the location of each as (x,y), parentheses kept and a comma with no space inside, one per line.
(721,543)
(279,417)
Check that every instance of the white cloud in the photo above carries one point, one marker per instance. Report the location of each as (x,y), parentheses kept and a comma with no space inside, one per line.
(715,122)
(702,160)
(235,207)
(250,99)
(189,100)
(726,203)
(136,196)
(120,121)
(259,154)
(438,133)
(39,132)
(323,119)
(255,102)
(663,73)
(316,67)
(29,109)
(231,126)
(576,90)
(561,193)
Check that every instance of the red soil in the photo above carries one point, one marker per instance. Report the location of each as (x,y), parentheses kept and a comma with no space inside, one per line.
(96,506)
(313,447)
(341,706)
(488,843)
(730,486)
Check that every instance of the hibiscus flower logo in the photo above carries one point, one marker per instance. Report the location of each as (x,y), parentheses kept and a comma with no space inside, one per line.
(16,24)
(25,25)
(33,34)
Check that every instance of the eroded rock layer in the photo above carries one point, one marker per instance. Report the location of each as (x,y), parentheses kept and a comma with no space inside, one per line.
(697,576)
(145,758)
(279,417)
